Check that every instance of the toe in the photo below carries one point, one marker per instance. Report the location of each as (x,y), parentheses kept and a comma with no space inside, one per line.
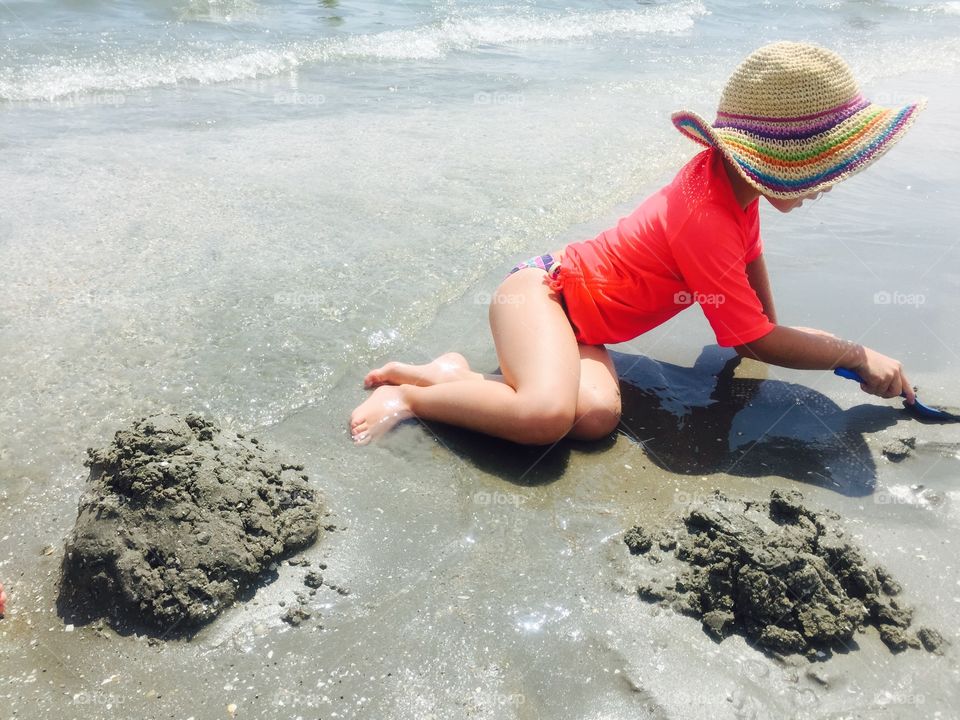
(378,413)
(357,418)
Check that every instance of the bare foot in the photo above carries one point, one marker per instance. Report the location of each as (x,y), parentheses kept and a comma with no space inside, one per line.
(447,367)
(3,601)
(384,408)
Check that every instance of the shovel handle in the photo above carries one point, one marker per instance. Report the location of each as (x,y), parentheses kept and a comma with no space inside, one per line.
(851,375)
(848,374)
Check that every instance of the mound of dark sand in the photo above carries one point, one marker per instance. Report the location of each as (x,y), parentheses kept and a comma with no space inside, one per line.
(776,572)
(178,520)
(899,449)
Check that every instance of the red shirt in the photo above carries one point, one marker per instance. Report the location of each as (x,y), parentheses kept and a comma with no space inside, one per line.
(689,242)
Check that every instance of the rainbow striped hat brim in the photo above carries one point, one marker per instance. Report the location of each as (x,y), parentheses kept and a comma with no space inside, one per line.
(793,122)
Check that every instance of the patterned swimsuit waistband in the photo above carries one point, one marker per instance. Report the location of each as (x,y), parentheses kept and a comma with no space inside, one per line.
(545,262)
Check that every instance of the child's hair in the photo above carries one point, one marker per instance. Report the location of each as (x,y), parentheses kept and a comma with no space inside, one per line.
(793,121)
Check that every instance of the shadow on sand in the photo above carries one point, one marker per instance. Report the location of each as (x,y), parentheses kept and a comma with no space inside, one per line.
(703,420)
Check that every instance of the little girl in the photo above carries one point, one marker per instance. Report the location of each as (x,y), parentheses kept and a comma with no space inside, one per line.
(791,124)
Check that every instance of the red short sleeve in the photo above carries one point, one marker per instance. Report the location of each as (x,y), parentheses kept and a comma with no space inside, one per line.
(712,251)
(754,243)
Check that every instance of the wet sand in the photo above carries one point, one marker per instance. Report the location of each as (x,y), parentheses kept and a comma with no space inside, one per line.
(490,583)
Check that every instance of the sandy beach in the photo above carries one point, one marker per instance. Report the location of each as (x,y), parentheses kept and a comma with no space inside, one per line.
(256,219)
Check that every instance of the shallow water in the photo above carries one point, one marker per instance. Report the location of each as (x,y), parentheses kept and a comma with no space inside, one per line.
(239,207)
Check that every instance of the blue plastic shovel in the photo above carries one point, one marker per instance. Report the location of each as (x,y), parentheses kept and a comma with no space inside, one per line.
(918,409)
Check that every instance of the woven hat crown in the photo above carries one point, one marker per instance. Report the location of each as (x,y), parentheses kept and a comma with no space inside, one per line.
(787,80)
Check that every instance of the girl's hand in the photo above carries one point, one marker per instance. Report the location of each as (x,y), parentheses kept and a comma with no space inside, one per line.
(884,376)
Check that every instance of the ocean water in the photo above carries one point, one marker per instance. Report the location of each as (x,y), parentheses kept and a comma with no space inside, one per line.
(239,202)
(240,206)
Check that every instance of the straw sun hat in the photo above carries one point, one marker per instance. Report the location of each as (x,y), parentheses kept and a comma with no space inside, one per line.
(794,122)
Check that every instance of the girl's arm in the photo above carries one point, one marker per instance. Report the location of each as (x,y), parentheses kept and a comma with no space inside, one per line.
(806,349)
(760,282)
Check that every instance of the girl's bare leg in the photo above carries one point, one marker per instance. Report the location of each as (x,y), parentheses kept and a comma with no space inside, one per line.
(537,399)
(598,401)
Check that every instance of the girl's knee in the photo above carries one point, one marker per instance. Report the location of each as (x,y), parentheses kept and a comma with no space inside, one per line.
(598,415)
(595,424)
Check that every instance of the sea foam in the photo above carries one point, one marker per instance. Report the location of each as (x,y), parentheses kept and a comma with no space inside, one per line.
(121,70)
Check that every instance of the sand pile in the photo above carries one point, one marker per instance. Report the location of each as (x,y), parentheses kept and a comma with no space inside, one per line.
(776,572)
(177,521)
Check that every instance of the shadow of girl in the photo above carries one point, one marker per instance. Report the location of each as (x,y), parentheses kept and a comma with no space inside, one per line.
(704,420)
